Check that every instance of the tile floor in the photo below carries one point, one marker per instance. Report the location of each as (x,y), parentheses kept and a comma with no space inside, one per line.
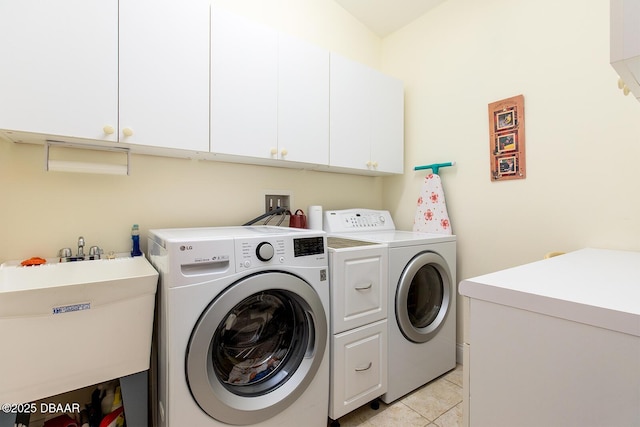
(436,404)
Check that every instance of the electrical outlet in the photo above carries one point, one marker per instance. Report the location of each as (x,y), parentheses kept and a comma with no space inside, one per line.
(274,201)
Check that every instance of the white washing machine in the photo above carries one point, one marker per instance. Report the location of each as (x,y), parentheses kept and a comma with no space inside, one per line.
(242,326)
(422,296)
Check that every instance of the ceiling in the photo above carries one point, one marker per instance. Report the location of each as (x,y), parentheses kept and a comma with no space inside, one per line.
(384,17)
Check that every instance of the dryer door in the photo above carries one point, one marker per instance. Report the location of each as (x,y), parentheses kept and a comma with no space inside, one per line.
(423,297)
(256,348)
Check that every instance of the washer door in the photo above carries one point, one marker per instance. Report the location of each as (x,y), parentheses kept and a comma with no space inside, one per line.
(256,348)
(423,297)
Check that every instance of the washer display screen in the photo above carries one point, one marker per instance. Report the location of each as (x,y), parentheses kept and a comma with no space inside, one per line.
(308,246)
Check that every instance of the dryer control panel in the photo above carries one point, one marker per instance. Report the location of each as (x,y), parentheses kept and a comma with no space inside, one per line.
(350,220)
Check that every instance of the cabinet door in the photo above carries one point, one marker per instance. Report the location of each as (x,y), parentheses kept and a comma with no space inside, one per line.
(164,73)
(59,73)
(387,137)
(303,101)
(359,368)
(244,84)
(350,117)
(367,118)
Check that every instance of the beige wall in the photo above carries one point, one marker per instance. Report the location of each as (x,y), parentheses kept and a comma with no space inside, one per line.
(322,22)
(583,142)
(44,211)
(582,135)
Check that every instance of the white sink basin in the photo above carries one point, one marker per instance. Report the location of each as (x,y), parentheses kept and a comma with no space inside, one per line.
(65,326)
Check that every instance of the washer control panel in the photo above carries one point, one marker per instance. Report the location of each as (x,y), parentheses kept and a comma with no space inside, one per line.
(351,220)
(277,251)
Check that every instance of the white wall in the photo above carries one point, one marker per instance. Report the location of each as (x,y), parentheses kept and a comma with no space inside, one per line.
(582,135)
(41,212)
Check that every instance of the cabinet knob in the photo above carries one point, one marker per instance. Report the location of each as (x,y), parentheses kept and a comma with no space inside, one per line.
(375,165)
(274,151)
(625,90)
(620,83)
(284,152)
(108,130)
(369,164)
(127,131)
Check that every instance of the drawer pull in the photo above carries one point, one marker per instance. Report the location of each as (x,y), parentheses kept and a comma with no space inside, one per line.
(364,288)
(365,369)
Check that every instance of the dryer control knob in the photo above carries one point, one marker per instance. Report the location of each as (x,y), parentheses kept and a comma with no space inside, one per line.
(264,251)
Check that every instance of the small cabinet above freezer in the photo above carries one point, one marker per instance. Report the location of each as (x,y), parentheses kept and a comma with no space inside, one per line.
(625,44)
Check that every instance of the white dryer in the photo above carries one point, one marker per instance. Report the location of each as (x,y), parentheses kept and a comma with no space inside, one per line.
(422,296)
(242,326)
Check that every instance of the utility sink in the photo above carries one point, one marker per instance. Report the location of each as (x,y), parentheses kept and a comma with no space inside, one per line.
(64,326)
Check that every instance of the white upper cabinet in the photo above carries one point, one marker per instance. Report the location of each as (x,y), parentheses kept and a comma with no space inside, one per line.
(269,93)
(387,139)
(625,43)
(59,73)
(303,101)
(366,118)
(244,86)
(137,72)
(164,73)
(160,76)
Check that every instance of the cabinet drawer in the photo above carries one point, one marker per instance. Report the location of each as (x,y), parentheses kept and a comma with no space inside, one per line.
(359,368)
(358,288)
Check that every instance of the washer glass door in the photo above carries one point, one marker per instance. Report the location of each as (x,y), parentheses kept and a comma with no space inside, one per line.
(256,348)
(423,297)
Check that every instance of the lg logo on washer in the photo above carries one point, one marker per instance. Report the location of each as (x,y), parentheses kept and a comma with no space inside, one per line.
(186,248)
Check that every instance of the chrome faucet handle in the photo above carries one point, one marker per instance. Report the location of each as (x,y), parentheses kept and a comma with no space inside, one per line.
(80,246)
(95,251)
(65,253)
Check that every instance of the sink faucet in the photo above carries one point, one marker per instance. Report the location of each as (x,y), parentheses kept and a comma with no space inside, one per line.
(80,246)
(66,255)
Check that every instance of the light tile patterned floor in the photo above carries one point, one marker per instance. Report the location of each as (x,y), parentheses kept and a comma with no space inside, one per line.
(436,404)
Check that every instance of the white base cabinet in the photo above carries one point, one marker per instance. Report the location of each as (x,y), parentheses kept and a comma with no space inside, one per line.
(359,290)
(359,371)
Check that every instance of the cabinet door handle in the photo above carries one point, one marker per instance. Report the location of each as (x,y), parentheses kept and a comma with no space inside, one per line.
(284,152)
(108,130)
(274,151)
(365,369)
(127,131)
(364,288)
